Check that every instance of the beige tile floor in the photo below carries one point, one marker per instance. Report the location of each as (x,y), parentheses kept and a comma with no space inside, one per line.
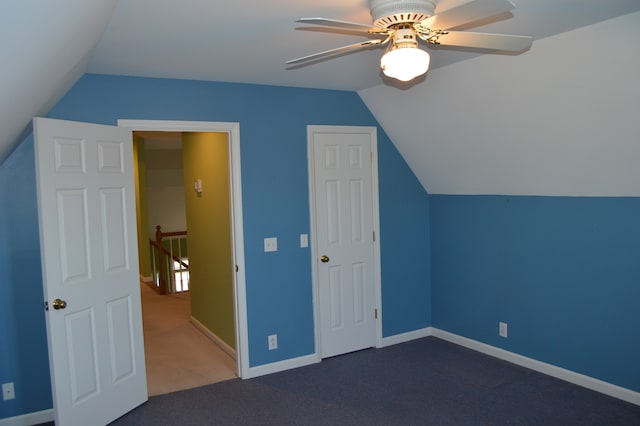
(178,356)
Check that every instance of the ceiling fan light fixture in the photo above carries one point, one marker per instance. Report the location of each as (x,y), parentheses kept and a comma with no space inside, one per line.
(405,63)
(406,22)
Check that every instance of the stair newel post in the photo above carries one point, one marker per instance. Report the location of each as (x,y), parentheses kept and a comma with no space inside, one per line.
(161,279)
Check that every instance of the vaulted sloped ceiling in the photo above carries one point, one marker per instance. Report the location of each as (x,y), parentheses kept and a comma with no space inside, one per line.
(530,124)
(564,119)
(45,47)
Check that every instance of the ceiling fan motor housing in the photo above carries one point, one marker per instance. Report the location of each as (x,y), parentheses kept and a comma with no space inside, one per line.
(387,13)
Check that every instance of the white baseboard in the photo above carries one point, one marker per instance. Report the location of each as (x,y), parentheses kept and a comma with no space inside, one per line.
(287,364)
(406,337)
(214,338)
(542,367)
(276,367)
(38,417)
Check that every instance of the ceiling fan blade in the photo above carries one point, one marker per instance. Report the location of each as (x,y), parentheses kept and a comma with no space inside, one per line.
(343,24)
(469,12)
(506,42)
(336,51)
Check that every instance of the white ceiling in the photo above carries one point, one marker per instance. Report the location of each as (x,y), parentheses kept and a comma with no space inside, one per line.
(249,42)
(46,46)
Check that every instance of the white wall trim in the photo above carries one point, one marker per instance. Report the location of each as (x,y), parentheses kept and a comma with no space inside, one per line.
(406,337)
(44,416)
(287,364)
(214,338)
(542,367)
(235,179)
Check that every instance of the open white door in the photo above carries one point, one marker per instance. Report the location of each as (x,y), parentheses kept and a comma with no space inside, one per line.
(344,206)
(86,210)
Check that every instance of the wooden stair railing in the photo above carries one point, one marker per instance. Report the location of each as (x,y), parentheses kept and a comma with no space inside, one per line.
(159,254)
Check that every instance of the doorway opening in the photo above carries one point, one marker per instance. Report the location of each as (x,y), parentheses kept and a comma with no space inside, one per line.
(231,347)
(182,223)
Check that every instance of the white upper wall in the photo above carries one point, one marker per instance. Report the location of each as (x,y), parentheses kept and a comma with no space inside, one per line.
(560,119)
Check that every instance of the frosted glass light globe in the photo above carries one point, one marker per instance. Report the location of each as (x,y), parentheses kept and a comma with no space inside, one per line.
(405,63)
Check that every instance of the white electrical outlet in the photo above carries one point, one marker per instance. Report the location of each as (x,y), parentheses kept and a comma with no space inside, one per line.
(273,342)
(8,392)
(502,329)
(270,244)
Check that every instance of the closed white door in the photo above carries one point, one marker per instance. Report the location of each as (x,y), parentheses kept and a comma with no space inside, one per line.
(86,210)
(343,212)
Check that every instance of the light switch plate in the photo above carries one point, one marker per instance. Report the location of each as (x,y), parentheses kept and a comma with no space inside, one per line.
(8,391)
(502,329)
(270,244)
(273,342)
(304,240)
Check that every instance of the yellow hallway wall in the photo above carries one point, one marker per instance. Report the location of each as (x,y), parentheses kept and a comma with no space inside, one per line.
(140,173)
(206,157)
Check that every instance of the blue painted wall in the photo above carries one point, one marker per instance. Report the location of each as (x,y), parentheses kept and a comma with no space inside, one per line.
(564,273)
(23,341)
(404,248)
(273,135)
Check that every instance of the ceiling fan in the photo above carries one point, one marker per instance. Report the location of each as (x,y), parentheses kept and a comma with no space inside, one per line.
(401,23)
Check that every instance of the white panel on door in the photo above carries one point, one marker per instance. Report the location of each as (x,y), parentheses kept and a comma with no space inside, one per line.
(74,235)
(336,291)
(333,212)
(355,157)
(110,157)
(114,231)
(69,155)
(331,157)
(359,293)
(83,365)
(120,339)
(357,223)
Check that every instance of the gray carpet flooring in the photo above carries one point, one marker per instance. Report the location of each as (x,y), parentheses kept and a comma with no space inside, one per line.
(424,382)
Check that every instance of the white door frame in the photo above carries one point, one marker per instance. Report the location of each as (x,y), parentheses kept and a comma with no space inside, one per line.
(240,295)
(311,129)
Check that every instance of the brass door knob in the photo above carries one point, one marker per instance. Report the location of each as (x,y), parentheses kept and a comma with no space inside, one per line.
(59,304)
(324,258)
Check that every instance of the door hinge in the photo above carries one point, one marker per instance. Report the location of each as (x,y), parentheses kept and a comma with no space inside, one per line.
(374,236)
(236,268)
(371,156)
(375,313)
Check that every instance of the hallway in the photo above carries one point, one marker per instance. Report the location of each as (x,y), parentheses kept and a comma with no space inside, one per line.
(178,356)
